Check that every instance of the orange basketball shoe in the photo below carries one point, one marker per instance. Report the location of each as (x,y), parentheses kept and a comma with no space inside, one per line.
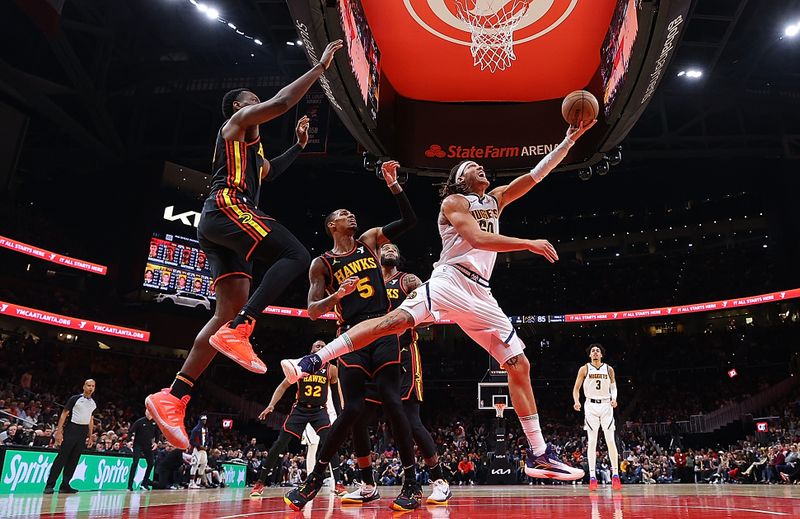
(592,484)
(234,343)
(616,484)
(169,412)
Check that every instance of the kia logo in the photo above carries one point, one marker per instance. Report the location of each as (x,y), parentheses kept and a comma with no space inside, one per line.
(501,472)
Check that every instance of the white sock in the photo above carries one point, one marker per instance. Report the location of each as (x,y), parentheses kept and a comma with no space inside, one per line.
(533,431)
(613,455)
(335,349)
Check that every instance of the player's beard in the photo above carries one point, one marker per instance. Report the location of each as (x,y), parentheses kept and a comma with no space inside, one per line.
(389,262)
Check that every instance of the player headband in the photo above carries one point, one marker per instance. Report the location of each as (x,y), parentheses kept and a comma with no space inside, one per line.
(461,168)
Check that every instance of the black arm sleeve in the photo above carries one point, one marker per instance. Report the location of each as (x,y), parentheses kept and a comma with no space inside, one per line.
(408,218)
(282,162)
(337,402)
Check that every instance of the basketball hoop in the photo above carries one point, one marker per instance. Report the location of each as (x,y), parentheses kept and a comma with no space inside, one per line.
(499,407)
(492,30)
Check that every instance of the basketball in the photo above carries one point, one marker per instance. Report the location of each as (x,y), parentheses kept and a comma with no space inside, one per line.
(578,106)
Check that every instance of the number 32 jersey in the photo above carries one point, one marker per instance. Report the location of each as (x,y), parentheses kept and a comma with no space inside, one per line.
(313,389)
(369,299)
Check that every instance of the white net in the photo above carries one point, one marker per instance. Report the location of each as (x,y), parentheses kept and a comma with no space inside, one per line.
(492,24)
(499,409)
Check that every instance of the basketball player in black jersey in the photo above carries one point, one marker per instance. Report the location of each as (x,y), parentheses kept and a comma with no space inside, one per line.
(310,408)
(350,275)
(398,286)
(233,232)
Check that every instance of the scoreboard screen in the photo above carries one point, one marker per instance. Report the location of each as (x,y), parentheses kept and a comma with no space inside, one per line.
(176,264)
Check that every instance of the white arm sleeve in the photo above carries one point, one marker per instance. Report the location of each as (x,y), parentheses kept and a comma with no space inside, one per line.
(614,391)
(551,160)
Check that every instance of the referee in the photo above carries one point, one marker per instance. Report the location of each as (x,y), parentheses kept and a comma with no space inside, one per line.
(72,437)
(143,431)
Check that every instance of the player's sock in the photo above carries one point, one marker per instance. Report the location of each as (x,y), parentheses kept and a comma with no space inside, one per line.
(410,473)
(242,318)
(533,431)
(336,348)
(367,476)
(436,472)
(321,468)
(182,385)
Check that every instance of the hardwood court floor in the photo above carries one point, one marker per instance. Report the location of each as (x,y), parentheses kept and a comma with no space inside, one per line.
(483,502)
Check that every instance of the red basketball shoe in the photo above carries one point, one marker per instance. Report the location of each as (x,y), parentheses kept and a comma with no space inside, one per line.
(234,343)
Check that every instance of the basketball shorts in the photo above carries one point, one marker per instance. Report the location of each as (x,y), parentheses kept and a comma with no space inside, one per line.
(382,352)
(301,414)
(598,416)
(229,235)
(199,461)
(451,295)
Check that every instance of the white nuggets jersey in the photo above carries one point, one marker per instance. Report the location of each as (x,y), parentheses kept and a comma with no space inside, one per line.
(597,384)
(456,250)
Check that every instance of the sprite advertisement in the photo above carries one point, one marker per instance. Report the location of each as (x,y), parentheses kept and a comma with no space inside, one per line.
(26,471)
(235,474)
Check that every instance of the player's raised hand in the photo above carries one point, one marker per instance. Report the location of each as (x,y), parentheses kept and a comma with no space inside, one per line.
(302,131)
(543,248)
(389,170)
(574,132)
(347,286)
(577,406)
(330,50)
(267,410)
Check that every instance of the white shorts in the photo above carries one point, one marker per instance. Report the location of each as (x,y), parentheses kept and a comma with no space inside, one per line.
(449,294)
(199,461)
(598,416)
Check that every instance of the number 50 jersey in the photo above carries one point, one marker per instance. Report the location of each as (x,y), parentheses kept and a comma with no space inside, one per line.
(369,299)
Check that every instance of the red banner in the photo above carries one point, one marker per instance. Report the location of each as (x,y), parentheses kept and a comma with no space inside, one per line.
(46,255)
(666,311)
(669,311)
(63,321)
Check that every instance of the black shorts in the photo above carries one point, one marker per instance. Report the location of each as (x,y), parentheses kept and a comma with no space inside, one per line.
(300,415)
(378,354)
(229,241)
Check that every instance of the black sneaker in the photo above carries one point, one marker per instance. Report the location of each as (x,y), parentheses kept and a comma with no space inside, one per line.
(48,490)
(67,490)
(407,500)
(298,497)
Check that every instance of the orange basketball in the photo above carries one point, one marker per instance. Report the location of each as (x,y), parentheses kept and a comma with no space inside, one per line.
(578,106)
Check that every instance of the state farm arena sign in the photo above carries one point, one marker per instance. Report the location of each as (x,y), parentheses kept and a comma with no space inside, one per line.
(489,151)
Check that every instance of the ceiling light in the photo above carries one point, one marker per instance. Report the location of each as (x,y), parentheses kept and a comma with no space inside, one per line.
(257,41)
(231,25)
(792,30)
(212,13)
(299,43)
(290,43)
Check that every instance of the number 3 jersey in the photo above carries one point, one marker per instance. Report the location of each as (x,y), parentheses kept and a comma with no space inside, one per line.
(597,384)
(369,299)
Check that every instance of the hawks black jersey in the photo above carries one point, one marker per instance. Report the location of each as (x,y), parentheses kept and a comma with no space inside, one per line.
(313,389)
(409,352)
(237,170)
(396,295)
(369,298)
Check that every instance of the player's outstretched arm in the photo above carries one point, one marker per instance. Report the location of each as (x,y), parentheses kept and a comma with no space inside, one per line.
(576,389)
(276,397)
(318,302)
(378,236)
(456,209)
(522,184)
(274,167)
(286,98)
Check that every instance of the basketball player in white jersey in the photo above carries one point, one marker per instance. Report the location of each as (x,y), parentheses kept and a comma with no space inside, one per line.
(600,390)
(459,290)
